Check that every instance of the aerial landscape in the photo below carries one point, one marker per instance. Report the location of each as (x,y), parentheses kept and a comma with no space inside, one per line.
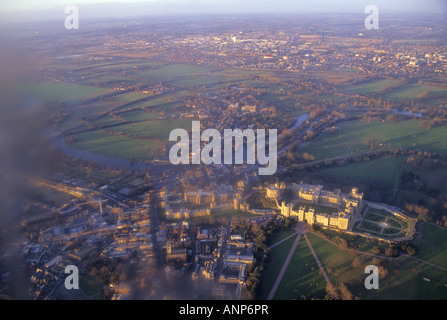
(118,159)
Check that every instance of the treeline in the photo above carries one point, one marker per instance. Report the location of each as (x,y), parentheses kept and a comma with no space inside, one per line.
(262,236)
(434,158)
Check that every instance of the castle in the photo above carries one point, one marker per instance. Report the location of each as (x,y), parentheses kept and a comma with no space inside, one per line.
(311,204)
(335,209)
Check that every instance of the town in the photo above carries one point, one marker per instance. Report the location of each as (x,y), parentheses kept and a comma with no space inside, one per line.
(215,146)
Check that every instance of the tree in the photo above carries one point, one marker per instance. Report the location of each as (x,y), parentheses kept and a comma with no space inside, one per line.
(391,251)
(356,263)
(382,272)
(288,223)
(343,244)
(256,228)
(409,249)
(331,292)
(344,292)
(375,250)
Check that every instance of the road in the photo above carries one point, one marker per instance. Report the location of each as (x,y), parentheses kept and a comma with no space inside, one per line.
(223,249)
(301,229)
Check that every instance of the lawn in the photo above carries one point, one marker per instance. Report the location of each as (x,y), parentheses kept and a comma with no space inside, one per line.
(138,115)
(404,277)
(336,262)
(231,213)
(377,170)
(60,91)
(88,287)
(371,223)
(349,139)
(159,129)
(432,245)
(69,124)
(117,146)
(133,96)
(199,81)
(106,121)
(92,110)
(122,147)
(302,278)
(372,87)
(413,91)
(170,72)
(282,235)
(370,227)
(278,256)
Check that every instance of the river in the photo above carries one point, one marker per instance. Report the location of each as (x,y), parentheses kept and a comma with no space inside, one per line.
(58,141)
(300,119)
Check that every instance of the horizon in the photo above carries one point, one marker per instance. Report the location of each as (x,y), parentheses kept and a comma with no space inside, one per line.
(39,10)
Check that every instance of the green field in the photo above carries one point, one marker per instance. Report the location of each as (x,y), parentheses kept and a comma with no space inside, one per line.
(302,278)
(199,81)
(117,146)
(337,262)
(138,115)
(90,288)
(377,170)
(170,72)
(405,280)
(397,91)
(432,245)
(404,277)
(231,213)
(60,91)
(282,235)
(372,87)
(133,96)
(349,139)
(414,91)
(106,121)
(143,140)
(159,129)
(278,256)
(69,123)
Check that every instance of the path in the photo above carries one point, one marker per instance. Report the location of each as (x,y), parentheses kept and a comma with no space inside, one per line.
(384,257)
(328,281)
(300,230)
(284,267)
(281,241)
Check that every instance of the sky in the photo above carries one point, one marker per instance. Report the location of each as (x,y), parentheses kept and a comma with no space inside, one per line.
(121,8)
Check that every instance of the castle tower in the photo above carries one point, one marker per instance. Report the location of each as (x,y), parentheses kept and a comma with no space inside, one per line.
(286,210)
(236,204)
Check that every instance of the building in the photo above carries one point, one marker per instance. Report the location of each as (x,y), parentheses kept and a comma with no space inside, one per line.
(275,191)
(346,205)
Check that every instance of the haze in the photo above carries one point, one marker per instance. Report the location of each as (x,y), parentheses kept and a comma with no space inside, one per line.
(53,9)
